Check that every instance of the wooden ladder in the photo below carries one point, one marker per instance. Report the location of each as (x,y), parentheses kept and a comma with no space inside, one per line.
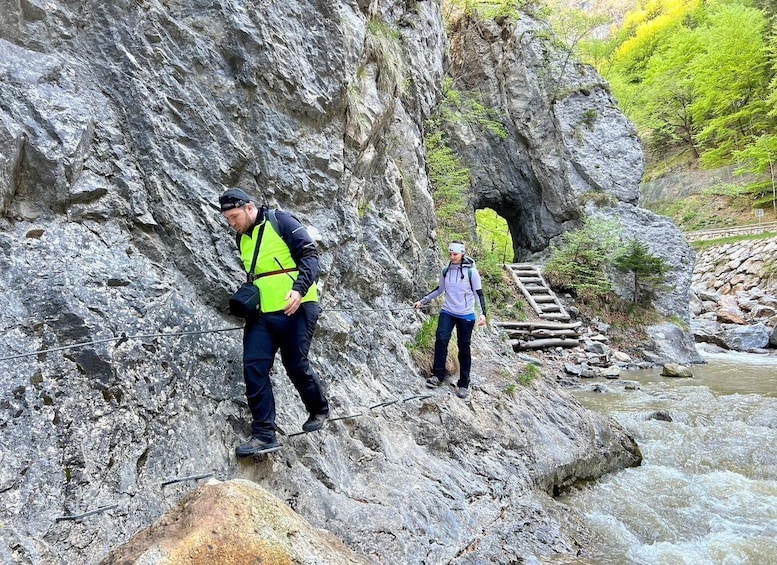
(537,292)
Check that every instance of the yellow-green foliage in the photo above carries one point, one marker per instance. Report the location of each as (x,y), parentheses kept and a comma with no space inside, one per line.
(422,347)
(579,264)
(424,339)
(494,234)
(645,27)
(700,75)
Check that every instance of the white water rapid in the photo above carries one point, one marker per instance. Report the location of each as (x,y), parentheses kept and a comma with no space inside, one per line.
(706,492)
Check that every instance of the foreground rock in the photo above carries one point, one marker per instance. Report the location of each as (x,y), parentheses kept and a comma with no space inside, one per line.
(233,522)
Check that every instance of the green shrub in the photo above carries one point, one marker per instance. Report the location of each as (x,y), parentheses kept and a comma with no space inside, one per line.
(579,264)
(424,338)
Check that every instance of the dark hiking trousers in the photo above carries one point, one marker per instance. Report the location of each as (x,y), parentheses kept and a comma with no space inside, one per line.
(445,325)
(262,338)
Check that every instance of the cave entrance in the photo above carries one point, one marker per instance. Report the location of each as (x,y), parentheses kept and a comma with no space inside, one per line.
(494,234)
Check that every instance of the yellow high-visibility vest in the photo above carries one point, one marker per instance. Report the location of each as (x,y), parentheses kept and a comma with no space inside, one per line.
(275,269)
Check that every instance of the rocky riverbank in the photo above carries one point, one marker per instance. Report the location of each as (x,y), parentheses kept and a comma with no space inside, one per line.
(734,296)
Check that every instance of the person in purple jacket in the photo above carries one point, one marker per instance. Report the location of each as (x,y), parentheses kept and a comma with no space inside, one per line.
(460,282)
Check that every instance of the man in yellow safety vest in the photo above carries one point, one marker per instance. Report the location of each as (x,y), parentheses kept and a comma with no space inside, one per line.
(285,272)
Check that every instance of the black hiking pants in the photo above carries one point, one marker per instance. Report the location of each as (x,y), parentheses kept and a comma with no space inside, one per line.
(262,338)
(445,325)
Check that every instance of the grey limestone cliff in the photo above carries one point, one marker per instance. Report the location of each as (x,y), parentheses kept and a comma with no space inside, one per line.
(120,123)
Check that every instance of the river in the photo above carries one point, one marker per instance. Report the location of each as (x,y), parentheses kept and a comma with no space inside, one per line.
(706,492)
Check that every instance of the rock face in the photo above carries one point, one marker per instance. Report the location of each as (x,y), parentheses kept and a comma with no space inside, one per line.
(121,124)
(561,123)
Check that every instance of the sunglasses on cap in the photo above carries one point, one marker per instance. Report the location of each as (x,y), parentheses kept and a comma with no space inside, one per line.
(229,204)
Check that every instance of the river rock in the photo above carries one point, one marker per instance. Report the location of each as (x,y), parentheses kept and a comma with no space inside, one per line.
(621,356)
(708,331)
(612,372)
(661,415)
(672,344)
(773,337)
(676,370)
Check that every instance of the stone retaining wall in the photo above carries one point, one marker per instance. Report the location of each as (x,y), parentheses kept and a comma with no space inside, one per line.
(733,267)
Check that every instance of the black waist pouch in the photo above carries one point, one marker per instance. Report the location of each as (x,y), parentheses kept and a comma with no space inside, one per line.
(245,302)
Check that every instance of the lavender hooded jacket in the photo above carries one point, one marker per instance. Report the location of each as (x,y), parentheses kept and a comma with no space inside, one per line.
(460,295)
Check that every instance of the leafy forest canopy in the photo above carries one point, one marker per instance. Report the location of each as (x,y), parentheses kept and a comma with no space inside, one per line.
(696,77)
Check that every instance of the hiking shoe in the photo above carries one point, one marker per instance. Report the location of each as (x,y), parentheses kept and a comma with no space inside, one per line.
(433,382)
(257,446)
(314,422)
(462,392)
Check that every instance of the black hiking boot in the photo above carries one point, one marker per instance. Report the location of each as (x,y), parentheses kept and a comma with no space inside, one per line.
(433,382)
(314,422)
(462,392)
(257,446)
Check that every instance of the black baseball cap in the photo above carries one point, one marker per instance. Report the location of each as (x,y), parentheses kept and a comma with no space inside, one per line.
(234,198)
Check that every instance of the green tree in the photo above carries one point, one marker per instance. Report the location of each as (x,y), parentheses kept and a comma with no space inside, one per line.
(664,102)
(761,158)
(494,235)
(648,70)
(730,76)
(647,270)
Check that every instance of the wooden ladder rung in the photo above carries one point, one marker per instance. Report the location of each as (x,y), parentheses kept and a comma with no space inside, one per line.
(563,316)
(534,288)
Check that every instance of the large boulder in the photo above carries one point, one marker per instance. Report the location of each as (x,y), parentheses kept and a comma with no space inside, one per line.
(670,343)
(233,522)
(745,338)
